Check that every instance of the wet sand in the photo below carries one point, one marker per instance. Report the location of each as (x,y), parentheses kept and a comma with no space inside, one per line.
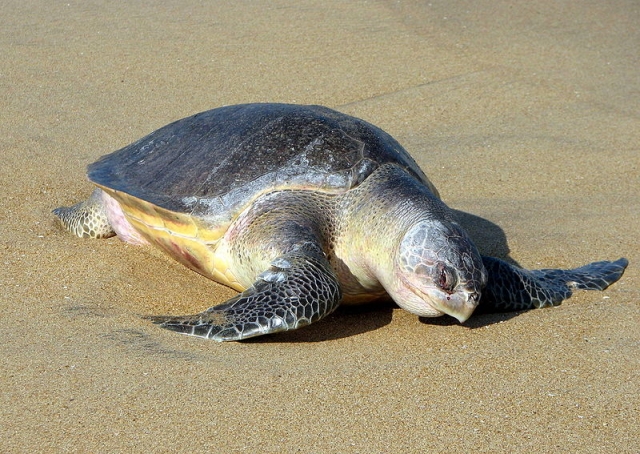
(526,115)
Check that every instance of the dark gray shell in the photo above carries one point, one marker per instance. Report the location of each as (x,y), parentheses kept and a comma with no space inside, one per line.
(211,165)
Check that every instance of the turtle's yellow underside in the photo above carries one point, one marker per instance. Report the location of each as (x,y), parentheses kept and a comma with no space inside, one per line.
(181,236)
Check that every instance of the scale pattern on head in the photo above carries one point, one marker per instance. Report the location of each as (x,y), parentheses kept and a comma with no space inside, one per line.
(441,264)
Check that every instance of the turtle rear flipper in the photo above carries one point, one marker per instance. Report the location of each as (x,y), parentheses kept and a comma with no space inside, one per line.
(299,289)
(510,288)
(87,219)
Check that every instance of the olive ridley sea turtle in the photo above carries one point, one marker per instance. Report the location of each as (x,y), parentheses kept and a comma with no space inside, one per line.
(301,209)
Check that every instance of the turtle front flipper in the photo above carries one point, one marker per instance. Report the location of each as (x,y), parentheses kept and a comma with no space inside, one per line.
(510,288)
(299,288)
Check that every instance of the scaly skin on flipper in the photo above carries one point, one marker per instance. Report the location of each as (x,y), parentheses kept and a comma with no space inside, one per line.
(86,219)
(299,288)
(510,288)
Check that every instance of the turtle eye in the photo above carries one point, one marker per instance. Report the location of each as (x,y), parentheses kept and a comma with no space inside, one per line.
(445,278)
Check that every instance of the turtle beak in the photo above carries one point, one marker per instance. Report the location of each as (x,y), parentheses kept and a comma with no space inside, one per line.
(461,305)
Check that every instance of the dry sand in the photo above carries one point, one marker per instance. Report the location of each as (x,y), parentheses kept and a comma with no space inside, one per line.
(526,114)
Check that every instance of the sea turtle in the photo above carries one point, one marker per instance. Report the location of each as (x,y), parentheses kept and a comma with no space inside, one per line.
(302,208)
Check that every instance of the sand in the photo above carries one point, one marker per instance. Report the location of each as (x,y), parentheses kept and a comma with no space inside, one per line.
(525,114)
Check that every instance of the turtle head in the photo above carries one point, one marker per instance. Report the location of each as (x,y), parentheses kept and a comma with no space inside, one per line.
(438,270)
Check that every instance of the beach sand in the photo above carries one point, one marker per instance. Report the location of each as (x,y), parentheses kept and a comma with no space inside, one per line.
(524,114)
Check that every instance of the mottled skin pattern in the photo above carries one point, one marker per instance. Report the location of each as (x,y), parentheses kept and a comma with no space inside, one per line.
(87,219)
(299,288)
(301,209)
(515,289)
